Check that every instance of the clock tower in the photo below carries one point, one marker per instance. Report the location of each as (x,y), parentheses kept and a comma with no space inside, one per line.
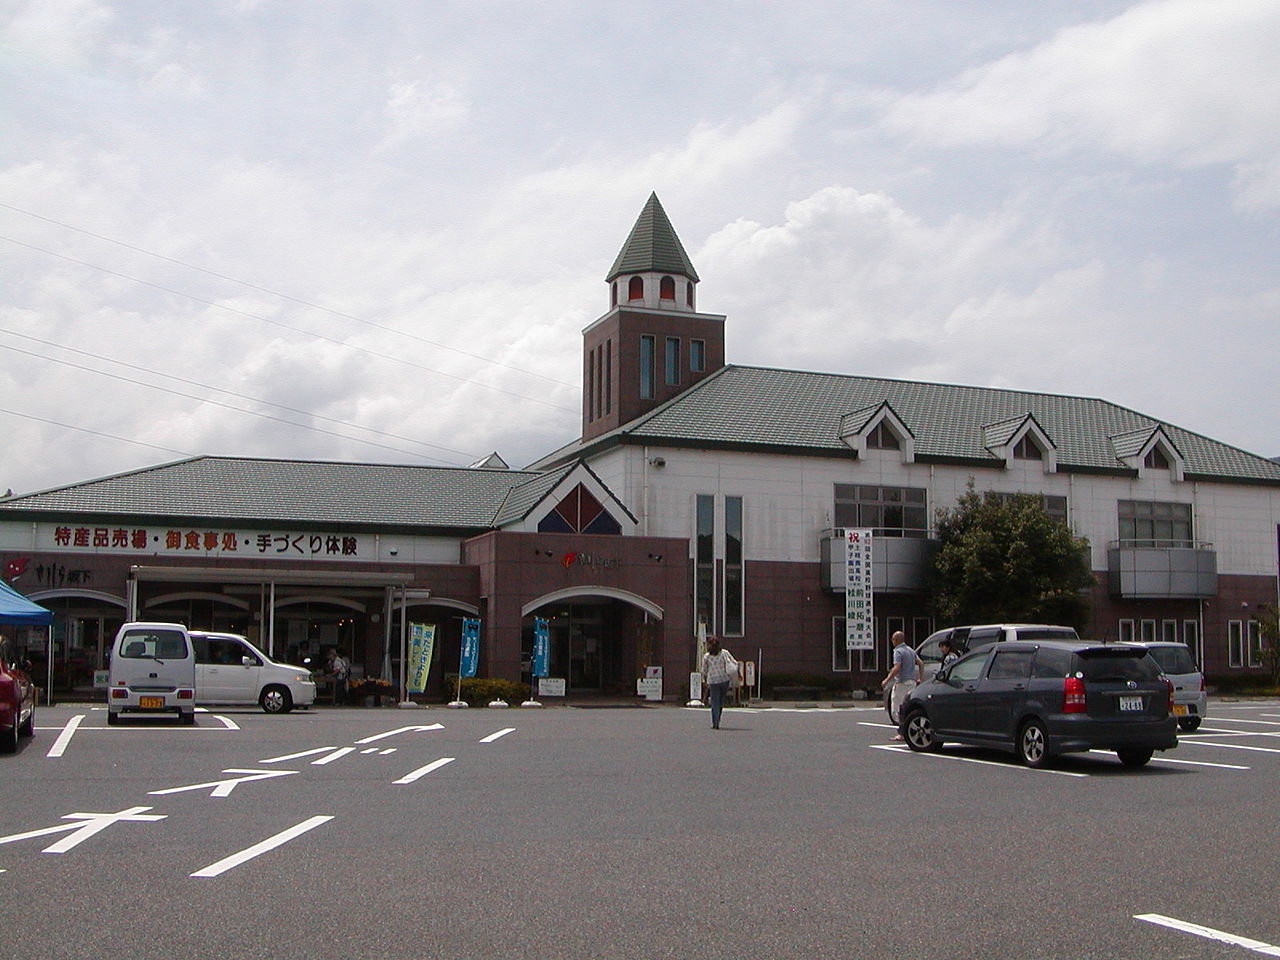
(653,343)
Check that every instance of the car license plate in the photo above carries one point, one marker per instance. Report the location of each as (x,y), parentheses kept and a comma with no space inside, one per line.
(151,703)
(1179,709)
(1130,703)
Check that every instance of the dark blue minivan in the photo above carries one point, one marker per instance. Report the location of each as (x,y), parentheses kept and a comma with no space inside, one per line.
(1041,699)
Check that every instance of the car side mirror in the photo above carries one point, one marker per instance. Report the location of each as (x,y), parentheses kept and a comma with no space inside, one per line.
(246,661)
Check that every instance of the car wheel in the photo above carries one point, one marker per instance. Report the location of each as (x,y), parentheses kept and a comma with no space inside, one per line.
(1134,758)
(29,728)
(1033,744)
(189,719)
(919,732)
(1188,724)
(113,717)
(276,700)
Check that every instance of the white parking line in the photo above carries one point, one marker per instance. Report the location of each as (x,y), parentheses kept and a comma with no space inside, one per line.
(226,722)
(284,836)
(1229,746)
(423,771)
(1188,763)
(1265,723)
(295,756)
(1209,933)
(989,763)
(497,735)
(60,745)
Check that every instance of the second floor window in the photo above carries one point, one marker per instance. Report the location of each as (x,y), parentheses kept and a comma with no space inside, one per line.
(1155,523)
(673,361)
(646,368)
(889,511)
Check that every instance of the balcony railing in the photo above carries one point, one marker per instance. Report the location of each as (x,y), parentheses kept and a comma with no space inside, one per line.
(900,560)
(1162,569)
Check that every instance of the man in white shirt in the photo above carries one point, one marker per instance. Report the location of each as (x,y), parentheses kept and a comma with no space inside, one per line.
(905,674)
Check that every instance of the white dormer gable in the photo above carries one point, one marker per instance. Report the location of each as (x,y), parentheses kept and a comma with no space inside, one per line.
(1020,439)
(879,428)
(1150,452)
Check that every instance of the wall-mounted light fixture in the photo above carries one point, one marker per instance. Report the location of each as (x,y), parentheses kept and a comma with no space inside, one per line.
(657,557)
(657,461)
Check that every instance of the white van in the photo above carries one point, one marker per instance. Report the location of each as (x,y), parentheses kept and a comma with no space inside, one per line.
(153,670)
(230,669)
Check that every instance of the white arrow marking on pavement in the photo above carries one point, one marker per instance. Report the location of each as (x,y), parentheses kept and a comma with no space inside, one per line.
(60,745)
(392,733)
(86,825)
(284,836)
(423,771)
(295,756)
(498,735)
(223,788)
(1209,933)
(336,755)
(227,722)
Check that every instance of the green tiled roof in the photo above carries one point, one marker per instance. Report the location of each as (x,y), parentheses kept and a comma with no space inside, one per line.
(652,246)
(794,411)
(293,491)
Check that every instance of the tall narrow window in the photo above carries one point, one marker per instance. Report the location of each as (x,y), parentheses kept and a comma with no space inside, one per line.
(673,361)
(733,579)
(697,356)
(591,385)
(704,559)
(1126,634)
(608,377)
(688,293)
(1235,643)
(1253,639)
(646,368)
(1191,637)
(599,355)
(666,289)
(613,294)
(841,661)
(635,288)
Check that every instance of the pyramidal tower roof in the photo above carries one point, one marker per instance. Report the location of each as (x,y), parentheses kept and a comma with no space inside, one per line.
(652,246)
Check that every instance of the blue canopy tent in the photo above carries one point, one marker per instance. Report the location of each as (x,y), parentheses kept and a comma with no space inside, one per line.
(15,608)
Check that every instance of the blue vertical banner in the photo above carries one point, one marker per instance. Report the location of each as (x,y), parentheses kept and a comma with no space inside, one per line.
(470,648)
(541,647)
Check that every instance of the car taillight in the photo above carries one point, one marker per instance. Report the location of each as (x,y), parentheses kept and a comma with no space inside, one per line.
(1202,686)
(1169,684)
(186,694)
(119,693)
(1073,699)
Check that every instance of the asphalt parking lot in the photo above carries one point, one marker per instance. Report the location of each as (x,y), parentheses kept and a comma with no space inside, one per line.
(635,832)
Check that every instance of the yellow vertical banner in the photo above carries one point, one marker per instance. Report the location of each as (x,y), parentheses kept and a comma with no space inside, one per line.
(422,644)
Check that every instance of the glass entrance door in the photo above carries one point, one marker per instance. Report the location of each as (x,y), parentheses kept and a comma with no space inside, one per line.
(584,657)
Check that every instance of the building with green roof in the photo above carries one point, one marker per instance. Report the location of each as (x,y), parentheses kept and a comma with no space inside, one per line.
(699,496)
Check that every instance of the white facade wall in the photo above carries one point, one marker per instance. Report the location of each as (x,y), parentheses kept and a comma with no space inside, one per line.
(788,501)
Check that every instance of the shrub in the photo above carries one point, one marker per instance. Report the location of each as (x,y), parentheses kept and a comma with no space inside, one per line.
(479,691)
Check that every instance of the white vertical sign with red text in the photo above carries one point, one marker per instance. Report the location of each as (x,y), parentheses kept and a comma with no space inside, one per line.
(859,625)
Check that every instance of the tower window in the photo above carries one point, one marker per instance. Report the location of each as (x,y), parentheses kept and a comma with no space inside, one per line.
(1156,460)
(688,293)
(697,356)
(613,294)
(667,289)
(673,361)
(646,368)
(635,288)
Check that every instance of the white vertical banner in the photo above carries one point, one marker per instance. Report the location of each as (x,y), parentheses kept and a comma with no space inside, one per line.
(858,615)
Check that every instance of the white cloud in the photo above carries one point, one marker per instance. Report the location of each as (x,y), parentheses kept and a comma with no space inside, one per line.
(65,33)
(1171,81)
(418,108)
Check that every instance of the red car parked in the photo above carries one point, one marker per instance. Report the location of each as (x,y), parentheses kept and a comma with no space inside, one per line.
(17,703)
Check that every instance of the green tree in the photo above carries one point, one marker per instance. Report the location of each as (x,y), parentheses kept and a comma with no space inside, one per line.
(1269,637)
(1004,560)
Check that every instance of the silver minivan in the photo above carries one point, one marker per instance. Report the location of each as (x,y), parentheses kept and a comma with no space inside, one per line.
(230,669)
(152,671)
(1190,698)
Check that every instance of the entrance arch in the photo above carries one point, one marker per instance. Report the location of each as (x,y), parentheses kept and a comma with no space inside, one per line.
(601,638)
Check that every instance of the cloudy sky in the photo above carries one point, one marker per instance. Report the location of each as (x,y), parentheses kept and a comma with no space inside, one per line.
(374,231)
